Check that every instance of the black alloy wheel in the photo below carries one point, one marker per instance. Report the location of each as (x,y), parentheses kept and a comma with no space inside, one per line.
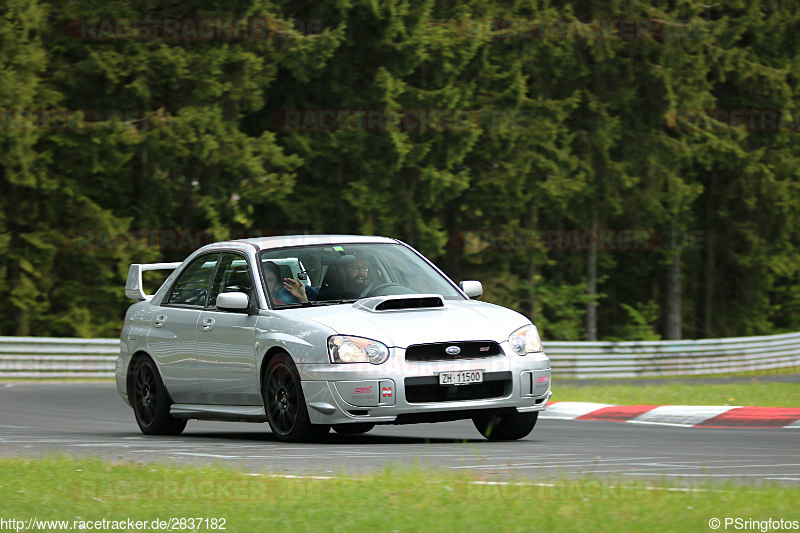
(285,404)
(151,402)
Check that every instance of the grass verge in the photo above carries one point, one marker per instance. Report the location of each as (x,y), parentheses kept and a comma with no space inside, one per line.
(92,490)
(751,394)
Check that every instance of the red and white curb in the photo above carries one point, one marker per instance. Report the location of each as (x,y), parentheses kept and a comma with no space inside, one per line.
(724,416)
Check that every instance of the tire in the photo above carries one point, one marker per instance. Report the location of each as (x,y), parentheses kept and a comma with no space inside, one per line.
(508,425)
(353,429)
(285,404)
(151,402)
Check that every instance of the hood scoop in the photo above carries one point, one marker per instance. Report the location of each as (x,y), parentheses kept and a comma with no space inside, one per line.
(400,303)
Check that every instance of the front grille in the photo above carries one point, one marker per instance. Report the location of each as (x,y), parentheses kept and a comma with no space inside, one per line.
(437,351)
(427,389)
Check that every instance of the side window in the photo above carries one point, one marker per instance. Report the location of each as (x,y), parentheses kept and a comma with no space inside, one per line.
(233,275)
(192,286)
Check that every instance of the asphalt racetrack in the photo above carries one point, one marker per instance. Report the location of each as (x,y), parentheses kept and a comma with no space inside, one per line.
(90,419)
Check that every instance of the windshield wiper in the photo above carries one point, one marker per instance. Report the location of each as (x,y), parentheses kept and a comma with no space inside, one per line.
(318,302)
(334,302)
(296,305)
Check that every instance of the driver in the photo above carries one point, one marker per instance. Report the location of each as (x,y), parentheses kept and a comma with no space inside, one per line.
(354,281)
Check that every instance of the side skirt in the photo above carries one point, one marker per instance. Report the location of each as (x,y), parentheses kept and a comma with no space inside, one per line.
(230,413)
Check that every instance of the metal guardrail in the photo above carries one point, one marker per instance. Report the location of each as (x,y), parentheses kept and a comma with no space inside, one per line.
(74,358)
(45,357)
(673,358)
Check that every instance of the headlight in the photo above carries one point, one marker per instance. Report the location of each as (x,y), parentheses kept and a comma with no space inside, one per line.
(526,340)
(345,349)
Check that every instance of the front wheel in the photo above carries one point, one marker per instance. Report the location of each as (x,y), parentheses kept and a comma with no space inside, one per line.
(509,425)
(285,404)
(151,402)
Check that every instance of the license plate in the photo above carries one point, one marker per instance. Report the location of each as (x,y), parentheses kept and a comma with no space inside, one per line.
(462,377)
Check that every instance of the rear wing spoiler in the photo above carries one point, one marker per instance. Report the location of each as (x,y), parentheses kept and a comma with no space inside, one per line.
(133,286)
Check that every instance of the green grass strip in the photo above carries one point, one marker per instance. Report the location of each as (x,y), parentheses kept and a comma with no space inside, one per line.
(750,394)
(391,500)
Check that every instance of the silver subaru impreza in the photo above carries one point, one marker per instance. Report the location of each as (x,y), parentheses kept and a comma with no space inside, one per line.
(313,332)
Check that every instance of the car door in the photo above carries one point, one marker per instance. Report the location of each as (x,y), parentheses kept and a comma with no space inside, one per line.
(226,339)
(172,338)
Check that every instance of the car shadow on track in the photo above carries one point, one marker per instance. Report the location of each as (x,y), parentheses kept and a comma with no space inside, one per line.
(331,438)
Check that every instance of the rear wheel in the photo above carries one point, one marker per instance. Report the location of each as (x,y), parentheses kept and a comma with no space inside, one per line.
(509,425)
(285,404)
(353,429)
(151,402)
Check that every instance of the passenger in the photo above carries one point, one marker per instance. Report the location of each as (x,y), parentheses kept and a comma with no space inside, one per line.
(291,291)
(352,282)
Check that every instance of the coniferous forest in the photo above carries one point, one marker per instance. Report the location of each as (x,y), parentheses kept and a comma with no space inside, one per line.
(615,170)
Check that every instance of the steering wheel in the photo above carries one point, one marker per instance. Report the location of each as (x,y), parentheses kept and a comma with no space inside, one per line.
(372,291)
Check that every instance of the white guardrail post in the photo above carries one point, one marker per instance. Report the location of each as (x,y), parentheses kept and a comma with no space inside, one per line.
(43,357)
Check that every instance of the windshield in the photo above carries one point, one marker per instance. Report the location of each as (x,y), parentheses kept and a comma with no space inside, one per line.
(329,274)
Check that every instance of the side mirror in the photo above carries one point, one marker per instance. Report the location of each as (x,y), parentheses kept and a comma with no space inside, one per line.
(233,301)
(473,289)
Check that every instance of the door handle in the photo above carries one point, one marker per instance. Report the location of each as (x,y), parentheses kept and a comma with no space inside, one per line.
(160,321)
(208,324)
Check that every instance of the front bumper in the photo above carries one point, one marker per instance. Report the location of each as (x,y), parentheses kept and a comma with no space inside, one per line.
(399,391)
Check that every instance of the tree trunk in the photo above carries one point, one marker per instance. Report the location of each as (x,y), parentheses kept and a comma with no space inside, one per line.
(708,274)
(672,308)
(708,289)
(591,286)
(455,245)
(529,305)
